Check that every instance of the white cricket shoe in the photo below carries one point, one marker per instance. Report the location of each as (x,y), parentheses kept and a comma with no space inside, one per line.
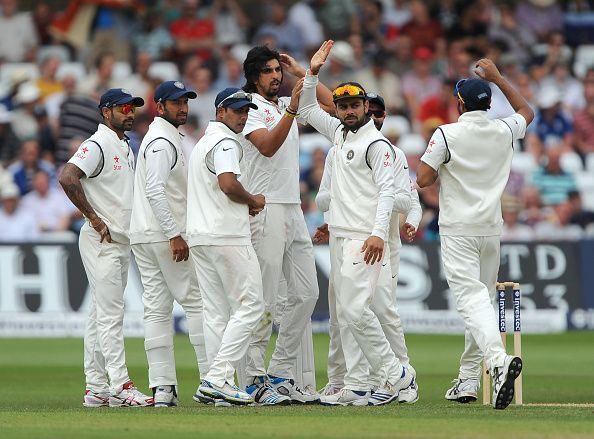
(265,394)
(503,381)
(96,399)
(287,387)
(346,397)
(329,389)
(229,392)
(202,398)
(165,396)
(464,390)
(130,396)
(410,395)
(388,392)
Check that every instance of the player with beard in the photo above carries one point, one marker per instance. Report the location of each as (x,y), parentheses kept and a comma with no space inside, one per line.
(363,195)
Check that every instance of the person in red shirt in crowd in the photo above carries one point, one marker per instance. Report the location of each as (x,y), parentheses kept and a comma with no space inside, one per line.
(194,33)
(423,30)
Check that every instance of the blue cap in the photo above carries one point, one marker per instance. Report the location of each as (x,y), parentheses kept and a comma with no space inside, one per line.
(118,96)
(473,92)
(235,98)
(171,90)
(374,97)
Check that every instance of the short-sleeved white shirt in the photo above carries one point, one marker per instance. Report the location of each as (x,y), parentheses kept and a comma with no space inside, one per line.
(224,158)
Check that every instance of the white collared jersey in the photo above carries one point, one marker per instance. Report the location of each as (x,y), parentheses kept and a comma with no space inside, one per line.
(276,177)
(108,163)
(213,218)
(162,142)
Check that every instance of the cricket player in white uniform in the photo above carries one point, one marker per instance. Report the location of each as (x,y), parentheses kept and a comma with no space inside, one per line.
(384,306)
(158,238)
(99,180)
(219,237)
(473,160)
(362,193)
(279,234)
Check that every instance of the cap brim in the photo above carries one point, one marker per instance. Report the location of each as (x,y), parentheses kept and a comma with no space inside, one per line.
(339,98)
(240,104)
(138,101)
(178,94)
(378,102)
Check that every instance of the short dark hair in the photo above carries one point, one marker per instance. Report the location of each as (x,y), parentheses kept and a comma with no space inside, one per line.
(254,62)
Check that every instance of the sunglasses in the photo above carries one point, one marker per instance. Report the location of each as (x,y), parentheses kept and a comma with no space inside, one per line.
(457,90)
(125,108)
(376,113)
(239,95)
(348,90)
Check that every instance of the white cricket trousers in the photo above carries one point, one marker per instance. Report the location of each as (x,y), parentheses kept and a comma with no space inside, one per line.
(106,265)
(471,264)
(164,281)
(231,286)
(283,245)
(355,286)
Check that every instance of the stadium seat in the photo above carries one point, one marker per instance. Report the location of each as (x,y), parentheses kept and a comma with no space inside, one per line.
(164,71)
(585,184)
(545,231)
(584,54)
(572,232)
(571,163)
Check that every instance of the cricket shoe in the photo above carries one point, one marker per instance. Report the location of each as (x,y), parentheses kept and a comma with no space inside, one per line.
(165,396)
(388,392)
(202,398)
(229,392)
(265,394)
(287,387)
(328,390)
(96,399)
(503,381)
(130,396)
(464,390)
(410,395)
(346,397)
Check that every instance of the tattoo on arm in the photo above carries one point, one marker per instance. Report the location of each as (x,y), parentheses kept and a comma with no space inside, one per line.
(70,181)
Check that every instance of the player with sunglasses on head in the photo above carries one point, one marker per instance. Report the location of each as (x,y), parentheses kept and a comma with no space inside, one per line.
(391,322)
(362,192)
(473,160)
(158,238)
(279,234)
(99,180)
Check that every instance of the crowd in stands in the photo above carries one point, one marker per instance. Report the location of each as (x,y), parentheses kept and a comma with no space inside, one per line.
(54,64)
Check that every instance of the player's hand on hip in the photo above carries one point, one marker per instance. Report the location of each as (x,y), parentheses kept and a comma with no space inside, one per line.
(487,70)
(179,249)
(257,204)
(319,58)
(101,228)
(374,250)
(409,232)
(296,95)
(291,66)
(322,235)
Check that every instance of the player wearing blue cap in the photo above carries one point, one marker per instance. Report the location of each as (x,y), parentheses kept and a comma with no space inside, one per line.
(473,160)
(99,180)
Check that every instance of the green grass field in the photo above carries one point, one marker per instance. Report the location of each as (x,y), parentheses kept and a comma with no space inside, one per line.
(43,383)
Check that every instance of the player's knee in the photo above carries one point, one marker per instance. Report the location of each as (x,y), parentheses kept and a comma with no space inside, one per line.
(158,342)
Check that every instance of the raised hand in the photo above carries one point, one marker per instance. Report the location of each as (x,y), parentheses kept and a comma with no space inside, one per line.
(487,70)
(319,58)
(291,66)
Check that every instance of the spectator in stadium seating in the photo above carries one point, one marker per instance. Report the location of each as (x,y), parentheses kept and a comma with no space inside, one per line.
(400,61)
(194,31)
(570,89)
(202,83)
(513,230)
(579,216)
(340,65)
(442,105)
(48,205)
(16,224)
(533,211)
(420,83)
(583,121)
(377,34)
(545,58)
(9,142)
(48,83)
(154,38)
(302,15)
(552,182)
(422,29)
(231,75)
(338,17)
(54,101)
(24,123)
(231,23)
(42,16)
(288,36)
(518,38)
(312,176)
(18,39)
(100,80)
(140,83)
(397,13)
(377,77)
(540,16)
(30,162)
(470,23)
(551,126)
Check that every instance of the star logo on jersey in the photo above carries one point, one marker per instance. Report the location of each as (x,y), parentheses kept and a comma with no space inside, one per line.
(387,155)
(116,165)
(350,155)
(85,150)
(116,159)
(430,146)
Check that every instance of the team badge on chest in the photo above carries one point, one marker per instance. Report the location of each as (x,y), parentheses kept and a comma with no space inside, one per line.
(350,154)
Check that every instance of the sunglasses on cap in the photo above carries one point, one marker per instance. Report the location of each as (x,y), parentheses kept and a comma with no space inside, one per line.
(239,95)
(125,108)
(376,113)
(348,90)
(457,90)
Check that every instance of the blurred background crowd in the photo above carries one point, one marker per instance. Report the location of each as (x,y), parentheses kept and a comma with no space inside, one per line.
(57,58)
